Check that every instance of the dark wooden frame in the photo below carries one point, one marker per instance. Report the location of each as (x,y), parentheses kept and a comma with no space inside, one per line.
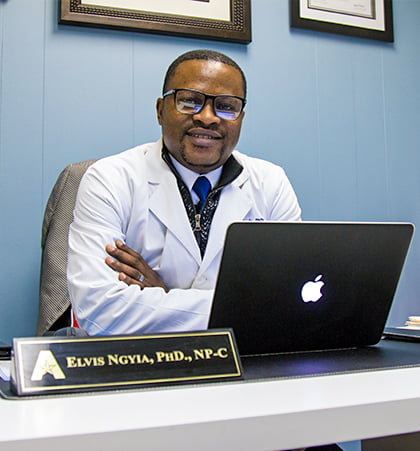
(238,29)
(388,35)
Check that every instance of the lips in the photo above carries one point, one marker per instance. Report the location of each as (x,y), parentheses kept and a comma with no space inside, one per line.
(202,137)
(202,133)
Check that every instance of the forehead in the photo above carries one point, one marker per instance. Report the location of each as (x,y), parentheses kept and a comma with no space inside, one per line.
(211,77)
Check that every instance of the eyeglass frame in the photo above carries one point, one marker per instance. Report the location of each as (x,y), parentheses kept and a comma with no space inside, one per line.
(206,97)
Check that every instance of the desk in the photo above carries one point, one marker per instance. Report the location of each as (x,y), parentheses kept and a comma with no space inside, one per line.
(246,415)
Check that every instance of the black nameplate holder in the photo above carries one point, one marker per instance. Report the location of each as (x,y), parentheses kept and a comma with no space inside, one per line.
(65,365)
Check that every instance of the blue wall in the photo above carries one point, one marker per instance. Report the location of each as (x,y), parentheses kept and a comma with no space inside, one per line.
(340,114)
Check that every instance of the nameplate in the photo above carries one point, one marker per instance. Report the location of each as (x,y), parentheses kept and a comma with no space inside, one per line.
(71,364)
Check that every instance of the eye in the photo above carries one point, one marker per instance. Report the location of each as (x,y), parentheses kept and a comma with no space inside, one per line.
(225,106)
(189,101)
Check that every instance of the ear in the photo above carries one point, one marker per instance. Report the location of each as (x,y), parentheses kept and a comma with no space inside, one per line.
(159,108)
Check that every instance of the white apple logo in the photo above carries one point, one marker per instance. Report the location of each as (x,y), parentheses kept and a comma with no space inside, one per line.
(311,291)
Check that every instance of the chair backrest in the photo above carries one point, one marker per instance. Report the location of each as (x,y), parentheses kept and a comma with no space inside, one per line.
(54,301)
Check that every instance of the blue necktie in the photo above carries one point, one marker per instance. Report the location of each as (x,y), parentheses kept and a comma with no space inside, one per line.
(201,187)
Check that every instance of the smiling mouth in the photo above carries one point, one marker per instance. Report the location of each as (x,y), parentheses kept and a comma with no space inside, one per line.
(203,134)
(200,136)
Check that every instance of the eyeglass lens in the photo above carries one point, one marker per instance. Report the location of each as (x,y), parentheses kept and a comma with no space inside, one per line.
(191,102)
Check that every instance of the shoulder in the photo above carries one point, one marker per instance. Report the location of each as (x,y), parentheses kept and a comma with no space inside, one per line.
(130,159)
(262,175)
(129,164)
(118,174)
(269,183)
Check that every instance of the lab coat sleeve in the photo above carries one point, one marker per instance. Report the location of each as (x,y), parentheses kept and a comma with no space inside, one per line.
(270,190)
(103,305)
(285,205)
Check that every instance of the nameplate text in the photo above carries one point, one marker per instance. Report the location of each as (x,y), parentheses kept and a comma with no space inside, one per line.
(72,364)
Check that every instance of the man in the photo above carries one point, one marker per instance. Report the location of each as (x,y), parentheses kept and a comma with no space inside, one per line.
(140,207)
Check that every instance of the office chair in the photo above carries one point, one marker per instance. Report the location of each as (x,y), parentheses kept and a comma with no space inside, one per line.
(54,301)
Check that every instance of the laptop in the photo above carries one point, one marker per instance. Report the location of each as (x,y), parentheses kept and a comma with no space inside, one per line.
(303,286)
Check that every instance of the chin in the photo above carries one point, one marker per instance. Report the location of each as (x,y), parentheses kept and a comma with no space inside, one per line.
(195,161)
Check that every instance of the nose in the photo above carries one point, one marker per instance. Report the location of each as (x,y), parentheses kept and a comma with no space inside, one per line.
(207,114)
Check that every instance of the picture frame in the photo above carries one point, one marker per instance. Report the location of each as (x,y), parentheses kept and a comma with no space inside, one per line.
(222,20)
(370,19)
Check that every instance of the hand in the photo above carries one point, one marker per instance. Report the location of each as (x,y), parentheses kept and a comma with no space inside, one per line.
(132,268)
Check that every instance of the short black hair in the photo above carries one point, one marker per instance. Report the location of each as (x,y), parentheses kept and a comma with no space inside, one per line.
(208,55)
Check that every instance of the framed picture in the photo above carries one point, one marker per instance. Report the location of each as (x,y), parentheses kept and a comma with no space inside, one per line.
(371,19)
(224,20)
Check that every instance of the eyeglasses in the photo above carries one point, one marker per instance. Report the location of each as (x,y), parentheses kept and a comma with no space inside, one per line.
(190,101)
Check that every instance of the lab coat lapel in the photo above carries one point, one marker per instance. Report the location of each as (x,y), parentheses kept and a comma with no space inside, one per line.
(233,206)
(166,204)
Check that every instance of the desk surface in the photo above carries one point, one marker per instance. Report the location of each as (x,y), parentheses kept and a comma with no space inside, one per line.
(249,415)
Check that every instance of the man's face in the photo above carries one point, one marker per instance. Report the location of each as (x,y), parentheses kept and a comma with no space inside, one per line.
(201,142)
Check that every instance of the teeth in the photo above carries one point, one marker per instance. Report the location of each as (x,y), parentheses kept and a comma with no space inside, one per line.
(202,136)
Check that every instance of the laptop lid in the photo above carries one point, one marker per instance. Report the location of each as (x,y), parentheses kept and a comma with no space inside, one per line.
(295,286)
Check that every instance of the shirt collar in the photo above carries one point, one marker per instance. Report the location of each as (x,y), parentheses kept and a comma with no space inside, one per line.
(189,176)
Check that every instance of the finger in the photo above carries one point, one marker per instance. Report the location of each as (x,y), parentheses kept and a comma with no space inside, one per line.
(123,268)
(132,259)
(129,280)
(111,262)
(121,245)
(133,265)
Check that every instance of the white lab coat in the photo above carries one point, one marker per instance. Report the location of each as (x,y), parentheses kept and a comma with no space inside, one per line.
(134,197)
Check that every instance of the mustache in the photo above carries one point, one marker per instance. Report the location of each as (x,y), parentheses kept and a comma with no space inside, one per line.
(199,124)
